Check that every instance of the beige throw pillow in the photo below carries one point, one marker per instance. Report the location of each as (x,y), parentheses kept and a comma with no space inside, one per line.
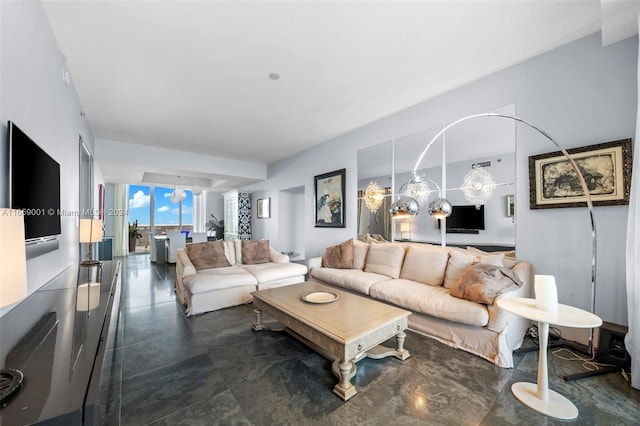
(482,283)
(255,252)
(492,259)
(339,256)
(207,255)
(385,259)
(458,262)
(425,265)
(360,251)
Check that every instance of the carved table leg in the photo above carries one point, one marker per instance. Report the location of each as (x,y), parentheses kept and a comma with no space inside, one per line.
(257,326)
(402,352)
(344,389)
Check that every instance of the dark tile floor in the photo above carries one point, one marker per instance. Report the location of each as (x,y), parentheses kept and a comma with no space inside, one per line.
(212,369)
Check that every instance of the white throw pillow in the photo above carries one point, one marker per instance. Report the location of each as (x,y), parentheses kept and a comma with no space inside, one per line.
(425,265)
(385,259)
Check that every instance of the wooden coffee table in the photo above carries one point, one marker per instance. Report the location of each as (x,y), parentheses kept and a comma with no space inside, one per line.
(344,331)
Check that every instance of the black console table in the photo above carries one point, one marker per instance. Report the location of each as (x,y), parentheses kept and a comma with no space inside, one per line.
(59,346)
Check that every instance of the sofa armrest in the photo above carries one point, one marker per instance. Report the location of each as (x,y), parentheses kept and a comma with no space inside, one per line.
(277,257)
(184,268)
(498,318)
(314,262)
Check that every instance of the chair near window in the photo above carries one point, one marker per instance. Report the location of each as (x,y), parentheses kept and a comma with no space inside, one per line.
(198,237)
(175,241)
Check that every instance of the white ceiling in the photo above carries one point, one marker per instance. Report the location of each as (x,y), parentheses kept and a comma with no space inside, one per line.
(194,75)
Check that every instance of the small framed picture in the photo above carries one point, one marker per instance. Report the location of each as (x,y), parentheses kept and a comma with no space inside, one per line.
(330,195)
(264,208)
(511,205)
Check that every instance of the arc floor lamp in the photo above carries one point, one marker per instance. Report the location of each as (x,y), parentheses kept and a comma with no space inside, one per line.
(440,207)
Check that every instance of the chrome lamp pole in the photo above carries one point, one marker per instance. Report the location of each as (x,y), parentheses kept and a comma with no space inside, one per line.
(581,179)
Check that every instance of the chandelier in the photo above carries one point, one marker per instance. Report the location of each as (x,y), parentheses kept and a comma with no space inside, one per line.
(373,196)
(478,186)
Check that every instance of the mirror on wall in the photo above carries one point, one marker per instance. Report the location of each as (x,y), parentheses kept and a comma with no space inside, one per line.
(485,143)
(375,166)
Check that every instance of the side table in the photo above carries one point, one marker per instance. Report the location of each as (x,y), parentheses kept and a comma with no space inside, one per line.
(538,396)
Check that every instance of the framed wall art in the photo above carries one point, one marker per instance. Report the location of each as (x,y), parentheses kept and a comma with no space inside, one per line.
(264,208)
(329,199)
(511,205)
(606,168)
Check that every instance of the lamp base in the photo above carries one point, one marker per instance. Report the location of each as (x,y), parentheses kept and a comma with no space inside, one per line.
(10,381)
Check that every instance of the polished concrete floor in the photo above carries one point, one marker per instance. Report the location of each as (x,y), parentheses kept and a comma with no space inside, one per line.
(212,369)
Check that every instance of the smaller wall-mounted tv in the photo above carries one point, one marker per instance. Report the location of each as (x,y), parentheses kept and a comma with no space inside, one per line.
(465,219)
(34,186)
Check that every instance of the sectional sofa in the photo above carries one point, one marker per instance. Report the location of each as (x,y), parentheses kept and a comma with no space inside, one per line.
(450,291)
(220,274)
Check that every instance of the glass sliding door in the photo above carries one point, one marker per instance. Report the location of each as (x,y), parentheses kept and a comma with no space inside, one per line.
(170,216)
(140,211)
(152,208)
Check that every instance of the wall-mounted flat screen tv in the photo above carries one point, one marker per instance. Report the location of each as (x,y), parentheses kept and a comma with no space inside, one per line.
(34,185)
(465,218)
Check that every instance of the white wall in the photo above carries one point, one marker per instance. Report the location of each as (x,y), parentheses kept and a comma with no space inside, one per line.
(214,205)
(35,97)
(581,94)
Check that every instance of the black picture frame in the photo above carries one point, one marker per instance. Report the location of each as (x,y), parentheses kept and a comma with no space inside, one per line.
(330,199)
(606,168)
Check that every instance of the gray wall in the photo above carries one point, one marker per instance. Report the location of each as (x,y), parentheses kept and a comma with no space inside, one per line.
(581,94)
(35,97)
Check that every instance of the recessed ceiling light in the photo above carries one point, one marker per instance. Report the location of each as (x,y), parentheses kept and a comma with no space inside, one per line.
(274,76)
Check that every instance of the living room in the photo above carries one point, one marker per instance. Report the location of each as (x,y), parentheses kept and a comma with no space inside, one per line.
(582,92)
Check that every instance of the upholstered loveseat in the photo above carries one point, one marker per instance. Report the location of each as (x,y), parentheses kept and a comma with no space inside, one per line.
(423,279)
(220,274)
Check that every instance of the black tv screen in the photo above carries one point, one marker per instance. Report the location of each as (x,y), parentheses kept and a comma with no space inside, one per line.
(35,185)
(465,218)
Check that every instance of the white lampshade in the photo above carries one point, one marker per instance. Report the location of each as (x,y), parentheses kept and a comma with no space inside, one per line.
(546,292)
(13,258)
(90,231)
(405,227)
(196,190)
(88,297)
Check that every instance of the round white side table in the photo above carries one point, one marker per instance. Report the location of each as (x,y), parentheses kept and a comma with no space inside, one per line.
(538,396)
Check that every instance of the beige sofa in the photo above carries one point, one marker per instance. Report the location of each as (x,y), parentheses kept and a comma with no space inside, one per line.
(421,278)
(215,288)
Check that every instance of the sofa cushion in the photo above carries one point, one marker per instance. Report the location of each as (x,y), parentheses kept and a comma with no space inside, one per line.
(339,256)
(207,255)
(360,251)
(385,259)
(218,279)
(430,300)
(352,279)
(255,252)
(267,272)
(482,283)
(425,264)
(458,262)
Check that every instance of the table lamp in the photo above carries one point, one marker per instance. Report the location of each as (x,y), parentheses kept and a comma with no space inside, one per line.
(90,232)
(90,271)
(13,280)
